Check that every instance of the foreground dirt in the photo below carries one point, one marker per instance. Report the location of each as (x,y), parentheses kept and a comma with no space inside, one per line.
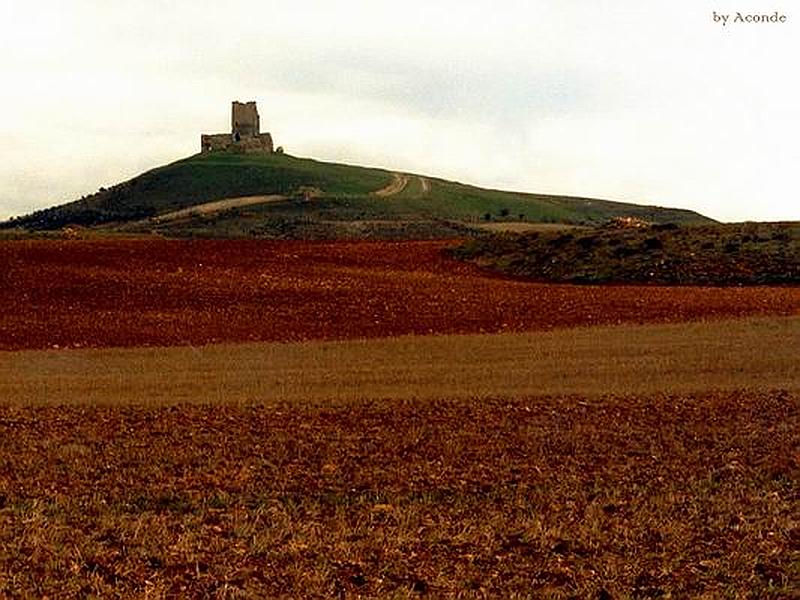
(638,496)
(82,293)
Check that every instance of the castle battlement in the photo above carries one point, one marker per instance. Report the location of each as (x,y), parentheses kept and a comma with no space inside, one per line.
(245,135)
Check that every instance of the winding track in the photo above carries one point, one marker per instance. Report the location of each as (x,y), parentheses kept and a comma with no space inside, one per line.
(426,185)
(397,185)
(216,206)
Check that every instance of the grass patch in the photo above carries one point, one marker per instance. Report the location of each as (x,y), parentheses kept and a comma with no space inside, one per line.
(203,178)
(345,194)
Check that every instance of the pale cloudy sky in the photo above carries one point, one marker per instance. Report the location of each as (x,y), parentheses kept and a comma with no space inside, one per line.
(637,100)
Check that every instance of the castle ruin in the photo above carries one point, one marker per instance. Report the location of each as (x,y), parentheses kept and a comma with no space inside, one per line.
(245,135)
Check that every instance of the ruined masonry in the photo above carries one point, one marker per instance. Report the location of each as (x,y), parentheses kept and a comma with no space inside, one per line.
(245,135)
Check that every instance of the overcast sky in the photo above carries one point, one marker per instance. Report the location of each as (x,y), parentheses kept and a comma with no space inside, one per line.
(636,100)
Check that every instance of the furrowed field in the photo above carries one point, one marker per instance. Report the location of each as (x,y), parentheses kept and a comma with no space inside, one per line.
(159,292)
(273,419)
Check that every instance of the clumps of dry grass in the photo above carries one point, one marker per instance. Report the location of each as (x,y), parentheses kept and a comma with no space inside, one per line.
(561,497)
(719,254)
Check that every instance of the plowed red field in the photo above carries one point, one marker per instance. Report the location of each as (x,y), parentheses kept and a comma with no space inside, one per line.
(80,293)
(560,497)
(640,494)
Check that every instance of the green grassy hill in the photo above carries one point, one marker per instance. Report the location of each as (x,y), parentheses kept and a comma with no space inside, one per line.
(342,202)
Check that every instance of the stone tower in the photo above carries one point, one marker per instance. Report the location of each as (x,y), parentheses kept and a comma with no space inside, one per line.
(245,135)
(244,120)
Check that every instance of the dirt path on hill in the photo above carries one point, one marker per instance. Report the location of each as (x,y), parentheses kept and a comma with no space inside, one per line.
(426,185)
(397,185)
(209,208)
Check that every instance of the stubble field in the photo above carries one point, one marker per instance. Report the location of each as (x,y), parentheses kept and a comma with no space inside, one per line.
(649,450)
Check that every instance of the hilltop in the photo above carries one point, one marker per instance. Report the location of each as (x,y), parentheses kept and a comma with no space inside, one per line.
(274,195)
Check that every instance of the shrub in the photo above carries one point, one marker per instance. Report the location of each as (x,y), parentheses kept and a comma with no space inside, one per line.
(653,243)
(731,247)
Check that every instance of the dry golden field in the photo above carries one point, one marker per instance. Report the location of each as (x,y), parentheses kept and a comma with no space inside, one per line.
(612,442)
(759,353)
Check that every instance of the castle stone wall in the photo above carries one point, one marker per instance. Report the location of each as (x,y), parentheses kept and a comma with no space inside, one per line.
(215,141)
(260,143)
(225,141)
(245,133)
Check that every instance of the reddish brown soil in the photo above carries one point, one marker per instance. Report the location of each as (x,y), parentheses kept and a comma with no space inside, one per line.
(629,497)
(159,292)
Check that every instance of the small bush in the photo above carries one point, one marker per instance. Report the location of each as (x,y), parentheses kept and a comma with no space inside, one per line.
(653,243)
(561,240)
(625,252)
(731,247)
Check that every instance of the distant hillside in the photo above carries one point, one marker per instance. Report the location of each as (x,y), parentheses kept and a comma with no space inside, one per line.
(317,199)
(720,254)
